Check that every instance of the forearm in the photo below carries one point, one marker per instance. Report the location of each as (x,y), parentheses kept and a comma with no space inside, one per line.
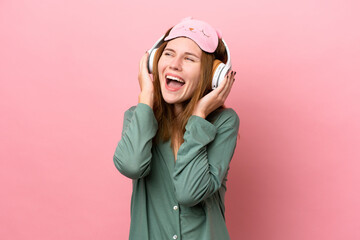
(147,97)
(132,156)
(203,159)
(192,179)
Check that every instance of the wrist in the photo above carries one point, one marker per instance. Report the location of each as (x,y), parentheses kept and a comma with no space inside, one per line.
(199,114)
(147,98)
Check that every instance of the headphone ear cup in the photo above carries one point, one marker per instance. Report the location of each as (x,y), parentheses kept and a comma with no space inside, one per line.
(223,73)
(216,63)
(150,65)
(218,75)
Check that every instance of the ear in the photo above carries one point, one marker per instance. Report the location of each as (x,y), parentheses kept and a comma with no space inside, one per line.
(186,19)
(219,33)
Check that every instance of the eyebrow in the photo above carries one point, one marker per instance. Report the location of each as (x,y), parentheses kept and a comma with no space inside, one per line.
(187,53)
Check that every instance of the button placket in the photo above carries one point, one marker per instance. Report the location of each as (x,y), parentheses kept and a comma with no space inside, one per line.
(176,209)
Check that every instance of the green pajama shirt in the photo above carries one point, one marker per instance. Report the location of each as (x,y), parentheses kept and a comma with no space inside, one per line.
(182,199)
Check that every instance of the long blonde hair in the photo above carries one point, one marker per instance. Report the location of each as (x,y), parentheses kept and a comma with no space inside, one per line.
(169,125)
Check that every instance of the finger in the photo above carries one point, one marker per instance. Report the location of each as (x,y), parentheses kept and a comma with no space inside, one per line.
(227,90)
(232,79)
(231,82)
(223,84)
(143,62)
(227,83)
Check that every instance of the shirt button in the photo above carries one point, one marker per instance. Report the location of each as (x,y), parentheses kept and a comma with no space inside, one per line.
(175,208)
(175,237)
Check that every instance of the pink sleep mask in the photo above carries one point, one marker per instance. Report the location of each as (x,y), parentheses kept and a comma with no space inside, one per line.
(204,35)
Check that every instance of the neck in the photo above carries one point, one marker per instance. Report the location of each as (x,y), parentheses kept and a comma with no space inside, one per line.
(178,108)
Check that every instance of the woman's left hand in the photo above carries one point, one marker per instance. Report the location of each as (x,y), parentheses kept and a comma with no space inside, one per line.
(215,98)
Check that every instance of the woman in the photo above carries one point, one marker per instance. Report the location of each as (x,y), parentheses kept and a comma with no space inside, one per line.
(178,141)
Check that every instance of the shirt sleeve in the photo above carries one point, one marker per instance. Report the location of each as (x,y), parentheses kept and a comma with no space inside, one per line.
(133,155)
(204,157)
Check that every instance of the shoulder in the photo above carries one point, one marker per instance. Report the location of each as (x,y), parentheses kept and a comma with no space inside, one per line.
(224,117)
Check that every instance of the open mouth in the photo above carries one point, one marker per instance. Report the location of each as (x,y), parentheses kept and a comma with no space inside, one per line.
(174,83)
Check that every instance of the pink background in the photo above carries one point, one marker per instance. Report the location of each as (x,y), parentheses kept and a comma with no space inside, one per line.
(68,71)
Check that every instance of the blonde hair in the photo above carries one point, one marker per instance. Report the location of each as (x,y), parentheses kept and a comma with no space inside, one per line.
(169,125)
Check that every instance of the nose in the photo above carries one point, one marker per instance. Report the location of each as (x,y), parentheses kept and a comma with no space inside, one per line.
(176,63)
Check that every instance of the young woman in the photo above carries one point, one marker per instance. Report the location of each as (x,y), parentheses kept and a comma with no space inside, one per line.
(177,142)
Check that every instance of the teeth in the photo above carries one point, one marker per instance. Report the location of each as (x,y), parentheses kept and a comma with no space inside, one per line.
(175,78)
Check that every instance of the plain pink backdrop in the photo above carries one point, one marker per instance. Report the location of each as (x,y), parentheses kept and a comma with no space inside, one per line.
(68,71)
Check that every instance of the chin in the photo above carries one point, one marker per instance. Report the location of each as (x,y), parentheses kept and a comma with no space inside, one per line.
(168,97)
(169,100)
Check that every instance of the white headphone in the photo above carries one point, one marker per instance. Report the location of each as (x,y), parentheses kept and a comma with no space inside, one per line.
(218,74)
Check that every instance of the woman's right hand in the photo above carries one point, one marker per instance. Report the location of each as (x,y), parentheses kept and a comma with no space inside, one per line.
(146,82)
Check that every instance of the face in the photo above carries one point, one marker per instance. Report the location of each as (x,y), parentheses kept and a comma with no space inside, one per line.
(179,70)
